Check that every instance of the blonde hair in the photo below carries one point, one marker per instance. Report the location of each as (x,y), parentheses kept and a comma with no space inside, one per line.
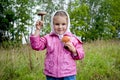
(60,13)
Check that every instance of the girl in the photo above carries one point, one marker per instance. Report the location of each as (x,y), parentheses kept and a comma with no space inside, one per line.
(59,62)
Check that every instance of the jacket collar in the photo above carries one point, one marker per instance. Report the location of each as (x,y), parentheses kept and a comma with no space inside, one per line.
(66,34)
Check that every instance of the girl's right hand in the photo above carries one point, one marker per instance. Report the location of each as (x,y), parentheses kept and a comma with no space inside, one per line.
(39,25)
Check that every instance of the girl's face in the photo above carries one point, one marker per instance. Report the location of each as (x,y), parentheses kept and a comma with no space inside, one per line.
(60,24)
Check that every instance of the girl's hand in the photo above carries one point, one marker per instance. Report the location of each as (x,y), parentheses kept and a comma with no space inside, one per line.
(70,47)
(39,25)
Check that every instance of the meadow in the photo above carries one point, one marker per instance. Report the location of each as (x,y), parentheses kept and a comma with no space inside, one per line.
(101,62)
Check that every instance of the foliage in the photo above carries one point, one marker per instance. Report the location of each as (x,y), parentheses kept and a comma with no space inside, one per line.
(90,19)
(17,18)
(94,19)
(114,11)
(15,14)
(6,19)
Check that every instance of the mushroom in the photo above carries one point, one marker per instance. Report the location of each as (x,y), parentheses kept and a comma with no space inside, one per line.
(42,15)
(65,39)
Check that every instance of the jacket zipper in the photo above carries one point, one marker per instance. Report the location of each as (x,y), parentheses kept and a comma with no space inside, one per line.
(57,66)
(58,62)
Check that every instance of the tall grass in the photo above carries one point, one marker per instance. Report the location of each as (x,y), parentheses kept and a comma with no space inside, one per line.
(21,64)
(101,62)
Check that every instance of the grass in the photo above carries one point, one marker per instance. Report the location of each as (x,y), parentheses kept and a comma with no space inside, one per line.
(101,62)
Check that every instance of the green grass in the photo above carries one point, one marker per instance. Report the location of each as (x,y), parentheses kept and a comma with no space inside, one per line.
(101,62)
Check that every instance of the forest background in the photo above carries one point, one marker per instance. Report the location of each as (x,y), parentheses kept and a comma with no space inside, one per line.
(90,19)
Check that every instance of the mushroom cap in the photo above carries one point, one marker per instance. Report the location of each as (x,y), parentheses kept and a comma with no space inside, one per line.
(42,13)
(65,39)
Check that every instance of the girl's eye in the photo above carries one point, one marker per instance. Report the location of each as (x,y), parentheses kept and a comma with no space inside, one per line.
(63,24)
(57,24)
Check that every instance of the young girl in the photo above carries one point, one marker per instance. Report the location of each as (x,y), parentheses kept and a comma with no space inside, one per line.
(59,61)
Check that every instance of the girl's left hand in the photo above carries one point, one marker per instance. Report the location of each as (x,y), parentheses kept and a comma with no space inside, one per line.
(70,47)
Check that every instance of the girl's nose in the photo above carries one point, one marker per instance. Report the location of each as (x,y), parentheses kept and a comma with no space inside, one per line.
(60,26)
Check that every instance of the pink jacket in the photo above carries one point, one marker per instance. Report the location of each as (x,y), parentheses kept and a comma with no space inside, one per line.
(59,62)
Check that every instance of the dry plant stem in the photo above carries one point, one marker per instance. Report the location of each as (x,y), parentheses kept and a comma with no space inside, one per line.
(30,60)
